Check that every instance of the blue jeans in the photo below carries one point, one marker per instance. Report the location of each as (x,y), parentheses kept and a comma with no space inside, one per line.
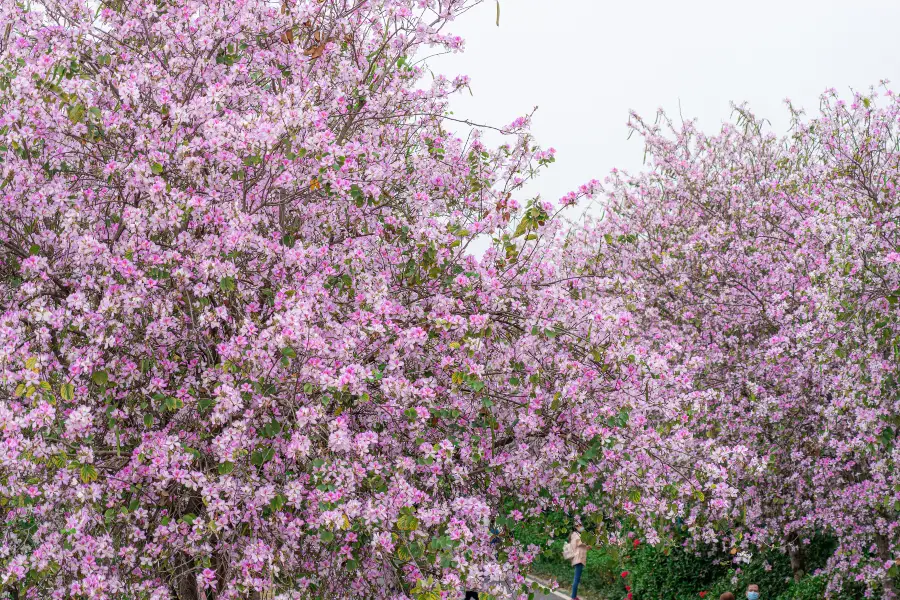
(578,569)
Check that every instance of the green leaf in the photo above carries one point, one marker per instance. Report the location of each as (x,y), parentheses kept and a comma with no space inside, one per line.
(189,518)
(206,403)
(407,523)
(76,113)
(156,168)
(226,467)
(278,502)
(100,377)
(288,352)
(326,536)
(173,403)
(227,284)
(262,456)
(67,391)
(476,385)
(416,549)
(271,429)
(148,420)
(88,473)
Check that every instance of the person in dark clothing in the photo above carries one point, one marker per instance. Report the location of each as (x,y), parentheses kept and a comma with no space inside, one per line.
(471,596)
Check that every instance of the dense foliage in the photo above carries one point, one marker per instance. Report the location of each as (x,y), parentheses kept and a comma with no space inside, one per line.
(762,280)
(245,349)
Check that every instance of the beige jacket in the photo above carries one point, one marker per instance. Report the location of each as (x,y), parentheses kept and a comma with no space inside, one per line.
(579,549)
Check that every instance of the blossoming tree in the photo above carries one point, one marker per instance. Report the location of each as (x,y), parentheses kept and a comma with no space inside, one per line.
(762,271)
(245,349)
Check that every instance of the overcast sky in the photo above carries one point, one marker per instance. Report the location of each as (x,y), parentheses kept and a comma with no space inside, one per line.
(586,63)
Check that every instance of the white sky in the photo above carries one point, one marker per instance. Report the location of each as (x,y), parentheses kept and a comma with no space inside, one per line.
(586,63)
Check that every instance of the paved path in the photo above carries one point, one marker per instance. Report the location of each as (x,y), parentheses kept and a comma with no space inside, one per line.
(553,595)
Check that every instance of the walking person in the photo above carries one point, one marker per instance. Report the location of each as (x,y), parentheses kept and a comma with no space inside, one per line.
(727,596)
(576,551)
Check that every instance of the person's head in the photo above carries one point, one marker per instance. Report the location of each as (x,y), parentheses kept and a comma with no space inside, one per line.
(752,592)
(727,596)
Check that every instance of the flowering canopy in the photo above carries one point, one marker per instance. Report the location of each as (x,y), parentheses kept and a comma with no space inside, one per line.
(763,273)
(244,348)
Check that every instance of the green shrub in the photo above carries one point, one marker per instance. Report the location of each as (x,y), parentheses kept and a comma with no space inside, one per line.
(673,575)
(681,575)
(810,588)
(676,573)
(771,571)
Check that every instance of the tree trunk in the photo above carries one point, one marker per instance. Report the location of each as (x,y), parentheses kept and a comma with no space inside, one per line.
(884,553)
(186,587)
(797,554)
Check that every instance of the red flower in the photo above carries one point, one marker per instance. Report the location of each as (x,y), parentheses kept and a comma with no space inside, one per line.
(627,588)
(702,594)
(628,596)
(624,574)
(637,543)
